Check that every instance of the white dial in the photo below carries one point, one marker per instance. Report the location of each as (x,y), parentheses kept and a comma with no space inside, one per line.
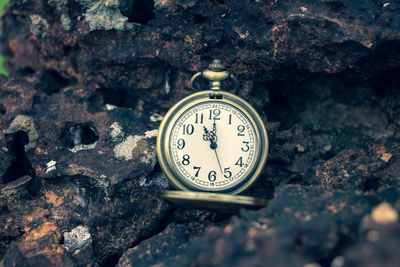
(213,146)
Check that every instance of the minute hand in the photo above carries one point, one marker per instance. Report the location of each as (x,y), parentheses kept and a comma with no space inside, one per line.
(215,149)
(219,163)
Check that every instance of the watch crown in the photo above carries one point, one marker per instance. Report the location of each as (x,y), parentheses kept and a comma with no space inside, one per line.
(216,65)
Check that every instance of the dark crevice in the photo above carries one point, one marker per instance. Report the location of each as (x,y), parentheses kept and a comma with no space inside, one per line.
(2,110)
(51,81)
(296,180)
(61,242)
(241,44)
(289,97)
(74,134)
(17,146)
(139,11)
(21,165)
(7,240)
(391,81)
(173,215)
(372,183)
(198,19)
(26,71)
(111,260)
(162,224)
(118,97)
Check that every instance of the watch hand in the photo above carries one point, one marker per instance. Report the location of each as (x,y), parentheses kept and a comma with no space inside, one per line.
(219,163)
(214,127)
(209,136)
(214,144)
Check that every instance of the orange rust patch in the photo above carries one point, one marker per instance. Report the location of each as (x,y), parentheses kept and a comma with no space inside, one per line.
(188,39)
(252,233)
(300,148)
(379,149)
(52,198)
(41,231)
(362,167)
(287,209)
(336,208)
(386,157)
(228,229)
(37,214)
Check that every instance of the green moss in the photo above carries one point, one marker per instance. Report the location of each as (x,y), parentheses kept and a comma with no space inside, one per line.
(3,71)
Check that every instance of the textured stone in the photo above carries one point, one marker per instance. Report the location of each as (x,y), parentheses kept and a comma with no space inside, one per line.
(12,193)
(78,238)
(39,247)
(299,226)
(93,79)
(177,38)
(79,243)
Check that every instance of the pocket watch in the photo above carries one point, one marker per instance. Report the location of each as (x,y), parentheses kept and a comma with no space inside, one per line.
(212,145)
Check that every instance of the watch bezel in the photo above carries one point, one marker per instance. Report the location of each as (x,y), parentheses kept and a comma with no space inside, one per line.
(165,129)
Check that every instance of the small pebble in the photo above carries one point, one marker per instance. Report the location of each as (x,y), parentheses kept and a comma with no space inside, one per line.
(338,261)
(386,157)
(300,148)
(384,213)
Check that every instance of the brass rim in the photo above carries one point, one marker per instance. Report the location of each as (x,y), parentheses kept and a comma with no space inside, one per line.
(165,128)
(212,200)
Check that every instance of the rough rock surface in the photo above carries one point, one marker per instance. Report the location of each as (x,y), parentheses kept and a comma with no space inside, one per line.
(91,79)
(140,46)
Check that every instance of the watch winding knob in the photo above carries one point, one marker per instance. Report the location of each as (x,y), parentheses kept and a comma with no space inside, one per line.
(215,73)
(216,65)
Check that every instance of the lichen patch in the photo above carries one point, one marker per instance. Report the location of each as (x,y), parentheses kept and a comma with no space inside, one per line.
(39,26)
(124,150)
(156,117)
(26,124)
(82,147)
(151,133)
(104,15)
(116,130)
(65,22)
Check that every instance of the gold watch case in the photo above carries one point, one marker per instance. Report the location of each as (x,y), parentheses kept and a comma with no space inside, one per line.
(190,196)
(214,201)
(175,112)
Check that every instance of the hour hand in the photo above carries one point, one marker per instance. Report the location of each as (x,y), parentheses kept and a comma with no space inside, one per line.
(214,128)
(209,135)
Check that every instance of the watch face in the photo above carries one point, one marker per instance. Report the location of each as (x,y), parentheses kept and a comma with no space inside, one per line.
(213,146)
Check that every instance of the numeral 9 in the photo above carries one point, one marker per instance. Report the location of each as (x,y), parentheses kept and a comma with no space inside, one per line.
(181,144)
